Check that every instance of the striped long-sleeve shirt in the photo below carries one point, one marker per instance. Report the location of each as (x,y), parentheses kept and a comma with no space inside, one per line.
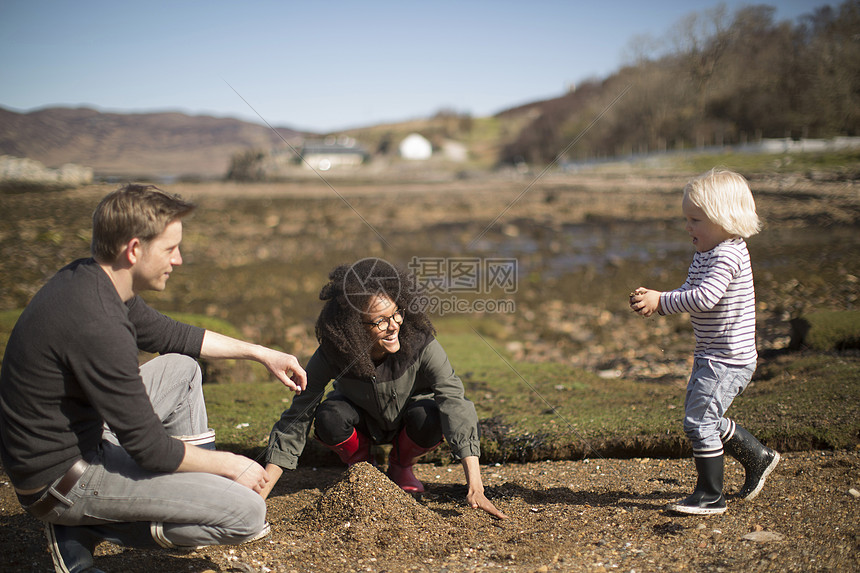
(720,298)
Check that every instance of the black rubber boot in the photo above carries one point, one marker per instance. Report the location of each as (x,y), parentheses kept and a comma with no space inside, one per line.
(707,498)
(758,460)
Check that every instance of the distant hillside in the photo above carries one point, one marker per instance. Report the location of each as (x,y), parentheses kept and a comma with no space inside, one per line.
(729,79)
(129,145)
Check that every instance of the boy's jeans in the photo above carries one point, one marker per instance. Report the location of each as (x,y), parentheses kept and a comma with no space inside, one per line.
(712,388)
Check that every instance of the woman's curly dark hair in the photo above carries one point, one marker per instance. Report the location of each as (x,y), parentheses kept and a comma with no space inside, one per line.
(339,329)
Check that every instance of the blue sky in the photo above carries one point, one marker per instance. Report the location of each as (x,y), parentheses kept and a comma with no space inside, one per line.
(324,66)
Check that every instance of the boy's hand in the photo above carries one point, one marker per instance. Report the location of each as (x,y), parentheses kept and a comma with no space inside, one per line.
(645,302)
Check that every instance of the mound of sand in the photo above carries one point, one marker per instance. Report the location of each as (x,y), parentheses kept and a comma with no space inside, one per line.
(365,506)
(365,497)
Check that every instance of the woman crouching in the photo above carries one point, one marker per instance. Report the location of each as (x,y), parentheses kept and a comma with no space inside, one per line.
(393,384)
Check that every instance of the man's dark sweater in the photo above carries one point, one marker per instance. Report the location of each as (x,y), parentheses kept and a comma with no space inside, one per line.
(71,364)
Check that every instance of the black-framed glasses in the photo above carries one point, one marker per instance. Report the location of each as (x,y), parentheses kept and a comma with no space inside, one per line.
(384,323)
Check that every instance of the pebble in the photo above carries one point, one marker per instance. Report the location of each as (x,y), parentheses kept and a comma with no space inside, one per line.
(854,493)
(764,536)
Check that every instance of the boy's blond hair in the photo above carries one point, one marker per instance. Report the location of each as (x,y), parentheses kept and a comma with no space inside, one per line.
(726,199)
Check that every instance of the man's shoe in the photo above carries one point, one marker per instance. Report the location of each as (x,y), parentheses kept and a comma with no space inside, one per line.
(267,529)
(71,548)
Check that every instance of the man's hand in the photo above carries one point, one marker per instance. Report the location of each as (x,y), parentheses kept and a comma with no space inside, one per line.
(286,368)
(240,469)
(249,473)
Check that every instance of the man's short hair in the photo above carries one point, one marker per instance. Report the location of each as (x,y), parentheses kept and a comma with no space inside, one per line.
(133,211)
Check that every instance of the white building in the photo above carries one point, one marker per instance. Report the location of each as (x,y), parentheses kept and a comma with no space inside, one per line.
(415,146)
(333,152)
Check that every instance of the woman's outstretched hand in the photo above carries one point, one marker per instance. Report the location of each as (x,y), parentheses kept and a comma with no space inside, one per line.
(478,500)
(475,497)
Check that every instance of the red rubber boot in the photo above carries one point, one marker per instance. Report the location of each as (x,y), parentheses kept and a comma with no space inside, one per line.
(352,450)
(403,456)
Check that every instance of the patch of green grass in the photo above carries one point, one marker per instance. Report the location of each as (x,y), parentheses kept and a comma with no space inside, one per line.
(827,330)
(243,414)
(560,411)
(805,401)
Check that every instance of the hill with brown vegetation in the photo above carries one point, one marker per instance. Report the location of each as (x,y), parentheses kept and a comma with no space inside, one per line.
(130,145)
